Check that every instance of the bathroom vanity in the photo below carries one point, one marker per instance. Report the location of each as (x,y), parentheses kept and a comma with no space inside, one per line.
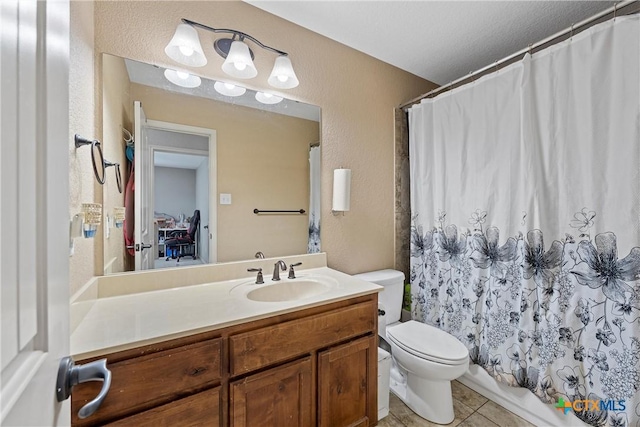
(303,362)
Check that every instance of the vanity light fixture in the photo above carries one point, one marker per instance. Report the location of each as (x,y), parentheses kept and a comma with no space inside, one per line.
(182,78)
(186,49)
(267,98)
(229,89)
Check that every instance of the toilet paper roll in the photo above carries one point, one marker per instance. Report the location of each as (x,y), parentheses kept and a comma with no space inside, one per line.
(341,189)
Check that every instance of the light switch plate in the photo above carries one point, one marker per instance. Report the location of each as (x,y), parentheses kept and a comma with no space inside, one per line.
(225,198)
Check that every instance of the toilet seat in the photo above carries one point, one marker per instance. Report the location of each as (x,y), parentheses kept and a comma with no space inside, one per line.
(428,342)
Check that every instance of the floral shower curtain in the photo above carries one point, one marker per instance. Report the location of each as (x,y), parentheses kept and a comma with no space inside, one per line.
(525,192)
(313,245)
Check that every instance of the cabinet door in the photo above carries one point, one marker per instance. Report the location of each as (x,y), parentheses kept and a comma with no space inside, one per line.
(347,384)
(279,397)
(202,409)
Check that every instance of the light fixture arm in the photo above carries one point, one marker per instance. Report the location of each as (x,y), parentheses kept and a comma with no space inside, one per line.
(235,33)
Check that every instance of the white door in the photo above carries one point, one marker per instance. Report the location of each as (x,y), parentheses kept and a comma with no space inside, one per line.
(202,202)
(34,209)
(208,236)
(143,233)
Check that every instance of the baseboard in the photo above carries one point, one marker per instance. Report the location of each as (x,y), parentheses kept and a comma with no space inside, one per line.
(520,401)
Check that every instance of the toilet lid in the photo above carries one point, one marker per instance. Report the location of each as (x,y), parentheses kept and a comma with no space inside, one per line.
(428,342)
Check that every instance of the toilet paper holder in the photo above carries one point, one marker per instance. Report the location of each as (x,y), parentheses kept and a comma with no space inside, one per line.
(341,191)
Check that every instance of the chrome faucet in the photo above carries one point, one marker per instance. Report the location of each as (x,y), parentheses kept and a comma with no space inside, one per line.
(276,269)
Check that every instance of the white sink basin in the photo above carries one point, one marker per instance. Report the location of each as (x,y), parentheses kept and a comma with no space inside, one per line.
(288,291)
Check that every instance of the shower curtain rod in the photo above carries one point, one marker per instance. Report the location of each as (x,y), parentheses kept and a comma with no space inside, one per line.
(622,8)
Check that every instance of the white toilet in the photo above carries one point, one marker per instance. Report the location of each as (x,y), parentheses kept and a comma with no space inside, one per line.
(426,358)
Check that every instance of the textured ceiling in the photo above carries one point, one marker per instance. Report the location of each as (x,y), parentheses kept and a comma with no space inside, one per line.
(437,40)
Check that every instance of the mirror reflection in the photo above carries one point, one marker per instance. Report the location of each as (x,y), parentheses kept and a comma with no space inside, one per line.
(196,163)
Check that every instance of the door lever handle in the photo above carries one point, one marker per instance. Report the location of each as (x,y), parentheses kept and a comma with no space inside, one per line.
(70,374)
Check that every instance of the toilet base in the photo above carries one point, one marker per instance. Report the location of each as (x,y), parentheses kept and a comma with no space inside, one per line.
(431,400)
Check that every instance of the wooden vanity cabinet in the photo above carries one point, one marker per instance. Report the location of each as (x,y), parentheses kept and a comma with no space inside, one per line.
(152,376)
(345,375)
(313,367)
(280,397)
(200,409)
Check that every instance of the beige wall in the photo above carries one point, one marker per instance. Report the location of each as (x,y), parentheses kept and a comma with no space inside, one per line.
(262,161)
(357,94)
(83,187)
(116,115)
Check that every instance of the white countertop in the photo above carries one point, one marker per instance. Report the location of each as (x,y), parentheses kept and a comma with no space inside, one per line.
(122,322)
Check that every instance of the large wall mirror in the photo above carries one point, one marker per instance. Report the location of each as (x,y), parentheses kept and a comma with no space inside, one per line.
(195,149)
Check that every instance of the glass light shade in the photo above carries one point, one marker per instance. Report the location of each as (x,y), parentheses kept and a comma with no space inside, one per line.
(282,76)
(239,63)
(185,47)
(267,98)
(229,89)
(182,78)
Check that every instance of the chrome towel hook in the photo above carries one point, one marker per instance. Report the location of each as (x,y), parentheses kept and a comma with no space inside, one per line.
(98,166)
(108,164)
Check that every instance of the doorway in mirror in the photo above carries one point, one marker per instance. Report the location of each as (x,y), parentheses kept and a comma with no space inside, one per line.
(180,186)
(181,181)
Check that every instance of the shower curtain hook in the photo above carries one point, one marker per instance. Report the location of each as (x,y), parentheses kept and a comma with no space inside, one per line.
(530,49)
(571,35)
(615,10)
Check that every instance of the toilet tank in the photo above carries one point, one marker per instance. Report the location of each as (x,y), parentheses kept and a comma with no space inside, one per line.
(391,296)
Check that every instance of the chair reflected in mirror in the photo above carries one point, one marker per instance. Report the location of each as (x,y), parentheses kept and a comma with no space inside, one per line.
(182,243)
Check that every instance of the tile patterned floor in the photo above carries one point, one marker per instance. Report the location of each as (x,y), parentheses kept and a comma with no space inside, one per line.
(471,410)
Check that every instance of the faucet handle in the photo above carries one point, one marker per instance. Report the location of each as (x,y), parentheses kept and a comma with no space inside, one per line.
(292,274)
(259,279)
